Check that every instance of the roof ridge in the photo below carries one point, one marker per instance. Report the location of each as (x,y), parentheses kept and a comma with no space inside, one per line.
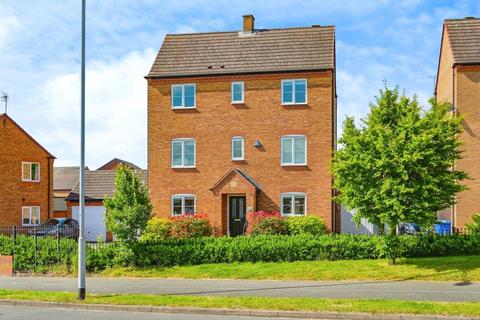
(256,30)
(463,19)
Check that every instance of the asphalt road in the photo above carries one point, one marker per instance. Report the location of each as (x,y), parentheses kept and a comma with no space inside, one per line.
(403,290)
(29,313)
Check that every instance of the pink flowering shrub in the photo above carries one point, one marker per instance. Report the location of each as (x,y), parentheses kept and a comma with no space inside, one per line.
(263,222)
(190,226)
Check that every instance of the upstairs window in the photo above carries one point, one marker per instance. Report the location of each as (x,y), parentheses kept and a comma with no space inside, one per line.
(183,204)
(294,204)
(238,92)
(183,153)
(238,145)
(183,96)
(31,171)
(294,150)
(294,91)
(30,216)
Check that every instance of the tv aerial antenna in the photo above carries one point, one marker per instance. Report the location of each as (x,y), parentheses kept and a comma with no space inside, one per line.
(4,98)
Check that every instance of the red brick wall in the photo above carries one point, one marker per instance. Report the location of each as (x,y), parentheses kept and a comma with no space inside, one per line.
(6,265)
(468,105)
(262,117)
(15,147)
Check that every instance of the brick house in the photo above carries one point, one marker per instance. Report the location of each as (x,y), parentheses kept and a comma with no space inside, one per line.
(242,121)
(99,185)
(115,163)
(458,82)
(64,179)
(26,177)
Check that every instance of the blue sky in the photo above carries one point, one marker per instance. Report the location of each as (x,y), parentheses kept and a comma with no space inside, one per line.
(397,41)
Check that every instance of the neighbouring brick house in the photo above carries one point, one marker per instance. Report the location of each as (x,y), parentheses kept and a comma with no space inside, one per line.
(99,184)
(458,82)
(114,163)
(26,177)
(64,179)
(242,121)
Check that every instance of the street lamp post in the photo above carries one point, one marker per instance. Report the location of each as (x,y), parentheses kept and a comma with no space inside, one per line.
(81,238)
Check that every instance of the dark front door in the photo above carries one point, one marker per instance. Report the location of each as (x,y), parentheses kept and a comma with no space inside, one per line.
(236,215)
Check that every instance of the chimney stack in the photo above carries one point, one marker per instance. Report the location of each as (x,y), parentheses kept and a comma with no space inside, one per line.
(248,23)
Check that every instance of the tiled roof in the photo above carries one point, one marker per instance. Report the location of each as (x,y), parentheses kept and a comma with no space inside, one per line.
(464,36)
(242,173)
(65,178)
(249,178)
(271,50)
(117,161)
(100,184)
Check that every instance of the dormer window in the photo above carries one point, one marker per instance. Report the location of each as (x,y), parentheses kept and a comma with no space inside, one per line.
(31,171)
(183,96)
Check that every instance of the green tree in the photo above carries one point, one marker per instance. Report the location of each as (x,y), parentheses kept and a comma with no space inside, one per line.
(128,211)
(474,226)
(398,165)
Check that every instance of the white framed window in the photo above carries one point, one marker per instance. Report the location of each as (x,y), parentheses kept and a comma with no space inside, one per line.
(294,150)
(183,96)
(294,91)
(31,171)
(238,148)
(238,92)
(30,216)
(183,153)
(293,204)
(183,204)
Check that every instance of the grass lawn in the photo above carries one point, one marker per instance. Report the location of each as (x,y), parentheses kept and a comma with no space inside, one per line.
(308,304)
(460,268)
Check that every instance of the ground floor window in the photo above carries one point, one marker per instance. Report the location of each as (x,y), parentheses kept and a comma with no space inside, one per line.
(30,216)
(293,203)
(183,204)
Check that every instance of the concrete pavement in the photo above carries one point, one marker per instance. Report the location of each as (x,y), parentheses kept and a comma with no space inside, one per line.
(401,290)
(47,313)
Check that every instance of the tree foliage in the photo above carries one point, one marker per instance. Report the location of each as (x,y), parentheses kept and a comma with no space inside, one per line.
(398,165)
(128,211)
(474,226)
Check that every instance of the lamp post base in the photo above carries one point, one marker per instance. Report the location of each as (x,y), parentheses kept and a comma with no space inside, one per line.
(81,293)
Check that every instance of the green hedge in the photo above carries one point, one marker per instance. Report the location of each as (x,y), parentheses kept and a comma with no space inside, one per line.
(289,248)
(267,248)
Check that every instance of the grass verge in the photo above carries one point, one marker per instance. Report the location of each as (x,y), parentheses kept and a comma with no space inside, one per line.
(259,303)
(459,268)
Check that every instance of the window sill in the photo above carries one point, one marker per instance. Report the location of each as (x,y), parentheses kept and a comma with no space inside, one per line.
(184,108)
(190,167)
(293,215)
(34,181)
(239,160)
(294,104)
(238,102)
(294,165)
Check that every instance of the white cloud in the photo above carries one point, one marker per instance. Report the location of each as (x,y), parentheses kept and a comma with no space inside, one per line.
(8,24)
(116,114)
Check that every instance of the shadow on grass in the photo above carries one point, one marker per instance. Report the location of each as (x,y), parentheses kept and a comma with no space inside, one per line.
(459,267)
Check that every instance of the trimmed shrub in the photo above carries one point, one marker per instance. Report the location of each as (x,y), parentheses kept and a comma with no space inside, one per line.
(261,248)
(270,226)
(157,229)
(313,225)
(190,226)
(253,218)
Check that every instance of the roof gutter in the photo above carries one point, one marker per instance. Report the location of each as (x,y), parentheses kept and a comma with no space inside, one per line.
(202,75)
